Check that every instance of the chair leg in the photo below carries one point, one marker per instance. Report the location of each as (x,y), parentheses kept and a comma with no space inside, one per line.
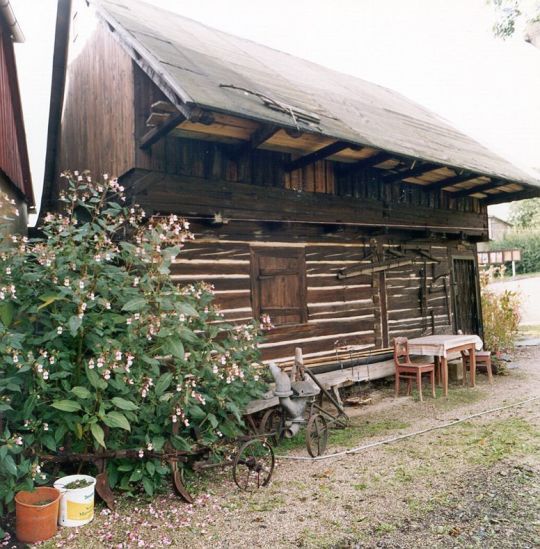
(432,376)
(396,392)
(489,371)
(419,383)
(464,366)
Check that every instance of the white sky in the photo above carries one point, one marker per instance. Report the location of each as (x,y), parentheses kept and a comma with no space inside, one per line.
(441,53)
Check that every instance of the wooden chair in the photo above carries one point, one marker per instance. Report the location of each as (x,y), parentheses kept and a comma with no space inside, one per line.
(483,358)
(405,369)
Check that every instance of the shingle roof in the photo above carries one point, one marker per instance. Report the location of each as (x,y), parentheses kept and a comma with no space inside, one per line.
(212,69)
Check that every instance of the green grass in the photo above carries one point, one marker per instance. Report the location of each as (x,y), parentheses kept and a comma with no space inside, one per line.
(356,432)
(529,331)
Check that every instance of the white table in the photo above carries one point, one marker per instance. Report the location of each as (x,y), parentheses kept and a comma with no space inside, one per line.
(440,346)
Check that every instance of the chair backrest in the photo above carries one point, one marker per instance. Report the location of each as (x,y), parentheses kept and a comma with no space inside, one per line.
(401,350)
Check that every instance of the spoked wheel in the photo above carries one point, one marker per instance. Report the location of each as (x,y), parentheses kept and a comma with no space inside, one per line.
(272,425)
(253,465)
(316,435)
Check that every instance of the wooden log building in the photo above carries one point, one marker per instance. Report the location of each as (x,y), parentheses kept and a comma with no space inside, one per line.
(15,180)
(342,209)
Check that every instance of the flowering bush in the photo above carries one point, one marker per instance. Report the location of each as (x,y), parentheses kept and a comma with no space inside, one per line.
(100,349)
(501,315)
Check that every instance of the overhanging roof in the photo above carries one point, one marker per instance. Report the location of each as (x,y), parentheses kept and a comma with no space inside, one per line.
(210,69)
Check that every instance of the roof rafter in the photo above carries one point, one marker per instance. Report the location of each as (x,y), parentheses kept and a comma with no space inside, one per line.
(480,188)
(319,154)
(258,137)
(502,197)
(448,182)
(156,133)
(414,172)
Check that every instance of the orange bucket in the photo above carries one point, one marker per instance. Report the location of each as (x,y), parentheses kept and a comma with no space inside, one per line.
(37,514)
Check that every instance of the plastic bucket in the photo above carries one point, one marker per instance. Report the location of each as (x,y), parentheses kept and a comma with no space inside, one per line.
(37,514)
(76,504)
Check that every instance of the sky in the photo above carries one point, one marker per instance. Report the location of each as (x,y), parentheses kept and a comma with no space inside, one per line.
(440,53)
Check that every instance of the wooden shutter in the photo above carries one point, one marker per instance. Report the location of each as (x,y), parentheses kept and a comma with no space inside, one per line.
(278,282)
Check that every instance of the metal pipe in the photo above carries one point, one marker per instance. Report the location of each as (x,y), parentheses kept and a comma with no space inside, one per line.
(6,13)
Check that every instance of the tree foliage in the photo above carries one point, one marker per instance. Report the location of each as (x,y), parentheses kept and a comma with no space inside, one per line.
(525,214)
(511,12)
(100,349)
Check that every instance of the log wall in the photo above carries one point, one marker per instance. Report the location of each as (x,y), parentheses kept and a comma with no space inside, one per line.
(340,312)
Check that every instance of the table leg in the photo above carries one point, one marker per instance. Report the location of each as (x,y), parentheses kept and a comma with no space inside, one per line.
(472,361)
(437,362)
(444,368)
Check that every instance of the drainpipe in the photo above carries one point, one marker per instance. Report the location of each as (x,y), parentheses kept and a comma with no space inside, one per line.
(6,13)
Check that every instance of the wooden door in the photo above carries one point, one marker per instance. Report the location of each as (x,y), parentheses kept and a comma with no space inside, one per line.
(278,282)
(466,296)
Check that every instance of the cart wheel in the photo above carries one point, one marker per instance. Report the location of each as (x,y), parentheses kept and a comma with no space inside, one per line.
(272,425)
(179,481)
(316,435)
(253,465)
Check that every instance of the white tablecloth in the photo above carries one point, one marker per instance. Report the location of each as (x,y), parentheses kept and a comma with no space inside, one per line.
(439,345)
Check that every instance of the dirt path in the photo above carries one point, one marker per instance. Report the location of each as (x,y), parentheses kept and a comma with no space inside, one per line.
(476,484)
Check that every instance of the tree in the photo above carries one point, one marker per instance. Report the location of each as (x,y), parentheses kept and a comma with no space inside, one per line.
(512,13)
(526,214)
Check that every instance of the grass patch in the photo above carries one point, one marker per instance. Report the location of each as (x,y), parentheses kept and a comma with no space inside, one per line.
(529,331)
(349,436)
(457,396)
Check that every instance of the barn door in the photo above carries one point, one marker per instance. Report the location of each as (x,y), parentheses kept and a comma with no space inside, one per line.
(466,296)
(278,283)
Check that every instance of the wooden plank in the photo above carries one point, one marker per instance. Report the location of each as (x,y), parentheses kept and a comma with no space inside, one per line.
(319,154)
(419,170)
(191,196)
(155,134)
(502,197)
(450,181)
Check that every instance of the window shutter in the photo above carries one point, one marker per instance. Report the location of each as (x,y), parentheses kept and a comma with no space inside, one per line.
(278,281)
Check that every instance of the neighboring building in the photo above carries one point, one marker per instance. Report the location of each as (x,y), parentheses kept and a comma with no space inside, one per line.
(344,210)
(498,228)
(15,178)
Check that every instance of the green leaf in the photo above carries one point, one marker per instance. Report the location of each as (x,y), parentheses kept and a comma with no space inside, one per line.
(7,312)
(196,412)
(148,486)
(81,392)
(10,466)
(66,405)
(174,347)
(95,380)
(124,404)
(213,420)
(151,468)
(48,299)
(98,433)
(163,383)
(117,419)
(135,304)
(74,323)
(136,475)
(187,309)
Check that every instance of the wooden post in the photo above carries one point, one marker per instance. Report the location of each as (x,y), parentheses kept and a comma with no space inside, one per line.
(298,367)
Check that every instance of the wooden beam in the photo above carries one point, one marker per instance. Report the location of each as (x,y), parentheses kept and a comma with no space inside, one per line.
(378,158)
(320,154)
(155,134)
(502,197)
(438,185)
(197,197)
(419,170)
(258,137)
(479,188)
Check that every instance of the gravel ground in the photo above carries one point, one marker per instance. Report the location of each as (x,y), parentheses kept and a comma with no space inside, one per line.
(474,484)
